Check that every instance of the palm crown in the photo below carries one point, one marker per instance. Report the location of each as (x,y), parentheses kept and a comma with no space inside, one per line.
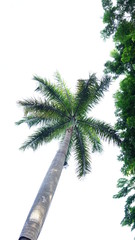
(59,110)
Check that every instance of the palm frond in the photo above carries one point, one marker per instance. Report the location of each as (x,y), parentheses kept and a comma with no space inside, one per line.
(104,130)
(100,89)
(95,141)
(52,93)
(92,137)
(85,92)
(89,92)
(81,153)
(34,121)
(61,85)
(40,108)
(44,135)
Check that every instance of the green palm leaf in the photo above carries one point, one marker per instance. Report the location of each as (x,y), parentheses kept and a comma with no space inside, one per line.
(62,86)
(92,137)
(34,121)
(85,92)
(52,93)
(81,153)
(41,108)
(45,135)
(104,130)
(94,140)
(89,93)
(101,87)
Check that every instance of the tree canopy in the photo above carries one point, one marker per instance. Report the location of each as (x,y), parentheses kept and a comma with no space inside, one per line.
(59,109)
(119,20)
(125,105)
(117,14)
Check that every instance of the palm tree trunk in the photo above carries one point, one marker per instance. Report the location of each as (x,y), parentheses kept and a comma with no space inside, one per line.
(38,212)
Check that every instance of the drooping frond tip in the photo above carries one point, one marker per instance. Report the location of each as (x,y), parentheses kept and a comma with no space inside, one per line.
(81,153)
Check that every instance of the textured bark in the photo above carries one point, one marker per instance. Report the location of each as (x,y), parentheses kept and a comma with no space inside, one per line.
(38,212)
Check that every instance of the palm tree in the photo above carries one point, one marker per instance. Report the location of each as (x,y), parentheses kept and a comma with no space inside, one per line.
(64,115)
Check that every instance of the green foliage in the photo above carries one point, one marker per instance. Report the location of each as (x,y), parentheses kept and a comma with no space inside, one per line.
(89,93)
(53,93)
(81,152)
(120,23)
(107,4)
(94,139)
(127,186)
(125,32)
(102,129)
(124,10)
(45,135)
(125,105)
(116,66)
(59,110)
(123,59)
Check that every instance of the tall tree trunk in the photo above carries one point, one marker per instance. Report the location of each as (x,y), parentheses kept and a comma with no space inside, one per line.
(38,212)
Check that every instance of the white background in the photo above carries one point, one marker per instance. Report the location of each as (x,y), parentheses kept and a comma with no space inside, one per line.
(40,37)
